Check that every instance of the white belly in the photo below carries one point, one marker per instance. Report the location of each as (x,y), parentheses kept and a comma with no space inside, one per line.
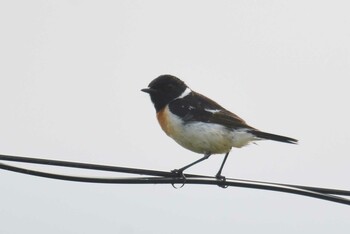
(203,137)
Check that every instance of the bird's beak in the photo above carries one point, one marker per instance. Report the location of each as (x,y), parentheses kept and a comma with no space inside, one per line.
(149,90)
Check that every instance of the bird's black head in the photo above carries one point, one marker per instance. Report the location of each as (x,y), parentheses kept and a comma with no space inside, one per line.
(164,89)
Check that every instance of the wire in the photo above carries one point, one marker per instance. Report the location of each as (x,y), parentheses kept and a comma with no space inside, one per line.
(162,177)
(147,172)
(83,165)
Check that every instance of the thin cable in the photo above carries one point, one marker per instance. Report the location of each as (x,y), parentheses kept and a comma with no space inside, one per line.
(165,175)
(151,172)
(314,189)
(168,180)
(84,165)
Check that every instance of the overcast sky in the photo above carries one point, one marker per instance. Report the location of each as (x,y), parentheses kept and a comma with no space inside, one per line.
(70,80)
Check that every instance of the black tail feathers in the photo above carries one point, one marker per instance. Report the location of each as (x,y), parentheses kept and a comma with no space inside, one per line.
(274,137)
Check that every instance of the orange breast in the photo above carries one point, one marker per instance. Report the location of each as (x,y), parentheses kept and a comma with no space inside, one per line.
(163,119)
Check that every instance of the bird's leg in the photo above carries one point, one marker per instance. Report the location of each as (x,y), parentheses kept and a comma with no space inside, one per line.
(179,172)
(218,175)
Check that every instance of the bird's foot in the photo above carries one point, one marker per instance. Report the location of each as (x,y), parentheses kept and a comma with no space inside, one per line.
(222,179)
(178,173)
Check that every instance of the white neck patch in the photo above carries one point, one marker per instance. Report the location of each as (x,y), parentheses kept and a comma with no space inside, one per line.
(185,93)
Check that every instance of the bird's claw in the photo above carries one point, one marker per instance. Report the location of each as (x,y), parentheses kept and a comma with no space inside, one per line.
(179,174)
(222,179)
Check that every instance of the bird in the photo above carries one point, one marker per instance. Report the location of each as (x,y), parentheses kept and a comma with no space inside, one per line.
(200,124)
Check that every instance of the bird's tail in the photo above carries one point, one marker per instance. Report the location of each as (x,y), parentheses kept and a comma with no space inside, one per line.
(274,137)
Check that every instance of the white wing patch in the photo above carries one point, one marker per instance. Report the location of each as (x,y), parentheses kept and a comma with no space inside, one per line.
(212,111)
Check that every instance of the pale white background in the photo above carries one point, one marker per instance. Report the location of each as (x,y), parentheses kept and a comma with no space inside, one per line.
(70,80)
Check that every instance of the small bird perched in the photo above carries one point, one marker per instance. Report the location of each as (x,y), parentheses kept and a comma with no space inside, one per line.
(198,123)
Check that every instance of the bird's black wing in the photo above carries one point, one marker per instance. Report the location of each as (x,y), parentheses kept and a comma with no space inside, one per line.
(196,107)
